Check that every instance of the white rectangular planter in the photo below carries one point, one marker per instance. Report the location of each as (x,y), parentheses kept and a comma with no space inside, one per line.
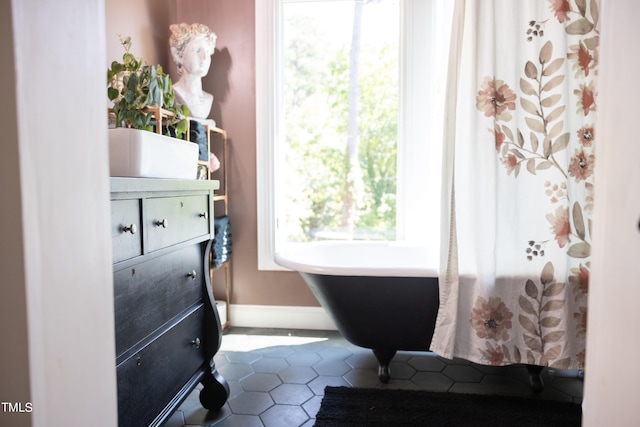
(143,154)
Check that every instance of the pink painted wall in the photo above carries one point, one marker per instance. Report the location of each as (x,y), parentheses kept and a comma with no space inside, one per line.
(232,82)
(146,22)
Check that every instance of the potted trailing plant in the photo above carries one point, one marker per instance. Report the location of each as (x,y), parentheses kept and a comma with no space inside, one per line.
(137,90)
(143,100)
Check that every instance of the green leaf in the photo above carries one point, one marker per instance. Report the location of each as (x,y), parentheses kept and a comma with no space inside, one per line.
(169,100)
(129,97)
(155,94)
(131,82)
(112,93)
(116,67)
(148,100)
(181,128)
(129,60)
(147,119)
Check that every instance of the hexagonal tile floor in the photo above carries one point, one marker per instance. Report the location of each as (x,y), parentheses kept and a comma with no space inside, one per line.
(277,377)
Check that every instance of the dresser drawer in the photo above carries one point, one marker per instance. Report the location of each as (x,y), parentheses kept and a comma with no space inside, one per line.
(171,220)
(154,291)
(150,378)
(126,233)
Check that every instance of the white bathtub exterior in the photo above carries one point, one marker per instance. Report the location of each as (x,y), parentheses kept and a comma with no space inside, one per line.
(359,258)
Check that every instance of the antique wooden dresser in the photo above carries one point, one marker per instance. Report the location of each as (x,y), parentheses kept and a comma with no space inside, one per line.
(166,323)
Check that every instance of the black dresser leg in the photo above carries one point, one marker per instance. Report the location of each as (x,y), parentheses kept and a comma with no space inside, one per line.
(215,391)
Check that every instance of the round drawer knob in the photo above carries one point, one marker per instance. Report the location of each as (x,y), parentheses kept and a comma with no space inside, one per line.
(204,215)
(162,223)
(196,343)
(130,229)
(192,274)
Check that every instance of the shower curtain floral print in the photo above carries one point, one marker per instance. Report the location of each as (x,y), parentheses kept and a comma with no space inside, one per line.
(515,274)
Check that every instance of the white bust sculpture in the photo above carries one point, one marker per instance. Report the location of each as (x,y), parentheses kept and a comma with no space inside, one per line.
(191,48)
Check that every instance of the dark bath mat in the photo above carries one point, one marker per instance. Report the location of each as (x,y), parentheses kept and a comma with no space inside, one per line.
(345,406)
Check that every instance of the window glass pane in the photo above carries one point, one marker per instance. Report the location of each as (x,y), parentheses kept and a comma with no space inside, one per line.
(338,160)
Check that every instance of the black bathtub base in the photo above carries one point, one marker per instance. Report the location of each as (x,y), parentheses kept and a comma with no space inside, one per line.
(386,314)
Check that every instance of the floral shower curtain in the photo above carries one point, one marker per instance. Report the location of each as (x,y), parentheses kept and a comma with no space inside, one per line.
(518,182)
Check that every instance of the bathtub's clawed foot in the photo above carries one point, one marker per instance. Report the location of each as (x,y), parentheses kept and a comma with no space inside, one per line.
(384,359)
(535,379)
(384,374)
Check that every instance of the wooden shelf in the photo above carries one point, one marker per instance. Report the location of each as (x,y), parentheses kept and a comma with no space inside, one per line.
(222,197)
(159,114)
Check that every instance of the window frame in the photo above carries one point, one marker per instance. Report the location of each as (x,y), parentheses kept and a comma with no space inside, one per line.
(418,110)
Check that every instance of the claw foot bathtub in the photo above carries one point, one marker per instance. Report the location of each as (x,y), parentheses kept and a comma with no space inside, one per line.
(381,295)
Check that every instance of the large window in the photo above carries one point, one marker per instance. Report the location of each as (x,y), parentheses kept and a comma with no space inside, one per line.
(349,97)
(340,107)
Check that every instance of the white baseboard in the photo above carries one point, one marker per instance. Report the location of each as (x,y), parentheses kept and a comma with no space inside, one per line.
(276,316)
